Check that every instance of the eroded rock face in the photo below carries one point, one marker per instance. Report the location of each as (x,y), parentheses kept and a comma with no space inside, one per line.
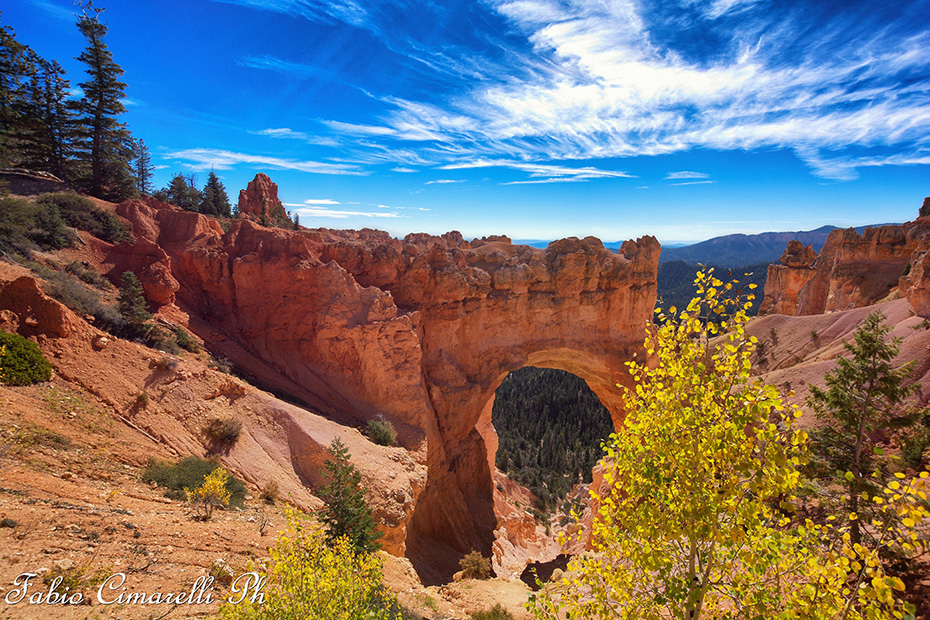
(798,255)
(420,330)
(784,282)
(851,271)
(259,200)
(26,310)
(915,283)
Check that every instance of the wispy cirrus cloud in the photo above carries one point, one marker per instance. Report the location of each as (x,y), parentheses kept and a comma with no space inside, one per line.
(285,133)
(625,78)
(685,174)
(325,11)
(206,159)
(690,183)
(310,212)
(312,202)
(444,181)
(541,173)
(55,10)
(616,79)
(281,132)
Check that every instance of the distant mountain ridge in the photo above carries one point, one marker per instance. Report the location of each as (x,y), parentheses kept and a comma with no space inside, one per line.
(740,250)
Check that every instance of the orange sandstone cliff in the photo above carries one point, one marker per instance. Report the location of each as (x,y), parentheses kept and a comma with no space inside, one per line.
(422,330)
(852,270)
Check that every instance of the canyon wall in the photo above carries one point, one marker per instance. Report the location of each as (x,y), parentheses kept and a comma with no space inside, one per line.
(422,330)
(852,270)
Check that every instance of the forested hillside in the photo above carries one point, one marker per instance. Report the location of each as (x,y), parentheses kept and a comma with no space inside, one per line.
(550,426)
(676,282)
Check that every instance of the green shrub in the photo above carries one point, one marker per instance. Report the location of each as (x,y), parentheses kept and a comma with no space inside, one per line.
(223,430)
(86,274)
(188,475)
(83,214)
(185,341)
(475,566)
(382,431)
(495,613)
(21,361)
(24,225)
(159,339)
(66,289)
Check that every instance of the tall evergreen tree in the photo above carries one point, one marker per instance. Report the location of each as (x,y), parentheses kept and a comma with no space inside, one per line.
(106,143)
(863,395)
(215,200)
(16,64)
(346,513)
(142,167)
(46,131)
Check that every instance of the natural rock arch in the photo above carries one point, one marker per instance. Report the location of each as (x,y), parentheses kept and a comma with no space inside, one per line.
(421,330)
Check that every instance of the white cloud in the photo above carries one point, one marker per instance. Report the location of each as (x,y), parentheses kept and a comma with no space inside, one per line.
(597,84)
(360,130)
(686,174)
(312,201)
(444,181)
(846,168)
(402,169)
(282,132)
(338,214)
(690,183)
(541,173)
(205,159)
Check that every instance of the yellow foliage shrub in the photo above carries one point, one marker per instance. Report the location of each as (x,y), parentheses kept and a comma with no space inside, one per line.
(211,494)
(311,579)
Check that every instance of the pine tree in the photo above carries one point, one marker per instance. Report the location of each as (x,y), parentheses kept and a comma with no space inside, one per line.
(16,65)
(215,200)
(132,306)
(142,167)
(181,193)
(46,128)
(106,145)
(863,395)
(346,513)
(297,221)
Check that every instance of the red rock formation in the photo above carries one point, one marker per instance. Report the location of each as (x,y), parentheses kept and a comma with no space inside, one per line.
(26,310)
(423,330)
(151,265)
(851,271)
(784,282)
(259,201)
(915,283)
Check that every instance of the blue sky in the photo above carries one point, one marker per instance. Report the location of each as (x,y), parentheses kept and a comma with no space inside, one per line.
(539,119)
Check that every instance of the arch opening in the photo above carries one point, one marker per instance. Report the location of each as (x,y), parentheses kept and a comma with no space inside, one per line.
(549,427)
(544,436)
